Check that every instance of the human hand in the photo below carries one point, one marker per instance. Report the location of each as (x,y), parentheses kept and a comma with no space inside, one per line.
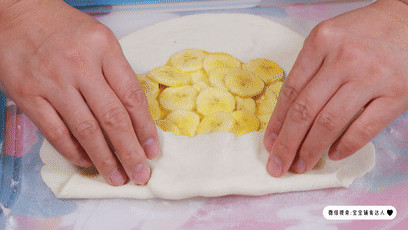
(348,83)
(67,72)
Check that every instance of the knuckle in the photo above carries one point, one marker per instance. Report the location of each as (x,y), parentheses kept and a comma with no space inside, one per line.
(290,92)
(328,121)
(127,156)
(114,116)
(300,112)
(356,139)
(134,97)
(104,164)
(86,128)
(56,133)
(321,33)
(307,154)
(282,148)
(100,35)
(349,145)
(363,132)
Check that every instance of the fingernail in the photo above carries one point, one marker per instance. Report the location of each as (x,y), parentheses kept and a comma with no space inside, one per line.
(299,166)
(336,155)
(141,174)
(117,177)
(275,167)
(151,148)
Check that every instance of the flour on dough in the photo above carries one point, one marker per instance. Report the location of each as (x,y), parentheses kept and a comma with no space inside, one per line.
(215,164)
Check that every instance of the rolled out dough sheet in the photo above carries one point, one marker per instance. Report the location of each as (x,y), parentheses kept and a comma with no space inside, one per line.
(215,164)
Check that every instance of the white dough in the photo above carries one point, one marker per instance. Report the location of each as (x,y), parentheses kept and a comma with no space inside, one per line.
(213,164)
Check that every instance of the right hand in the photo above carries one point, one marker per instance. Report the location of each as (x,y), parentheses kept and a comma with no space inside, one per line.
(68,74)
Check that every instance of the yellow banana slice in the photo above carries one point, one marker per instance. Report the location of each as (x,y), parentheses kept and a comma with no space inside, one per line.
(188,60)
(200,80)
(212,100)
(247,104)
(265,104)
(150,88)
(263,121)
(244,83)
(218,121)
(217,77)
(186,121)
(174,98)
(166,125)
(244,122)
(154,108)
(275,87)
(169,76)
(198,76)
(220,60)
(267,70)
(200,86)
(163,112)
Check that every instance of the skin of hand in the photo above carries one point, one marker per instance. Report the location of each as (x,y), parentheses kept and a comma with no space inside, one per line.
(349,81)
(68,74)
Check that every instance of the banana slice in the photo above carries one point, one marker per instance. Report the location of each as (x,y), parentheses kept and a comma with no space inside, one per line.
(150,88)
(154,108)
(220,60)
(267,70)
(200,86)
(183,97)
(218,121)
(244,83)
(200,80)
(198,76)
(266,103)
(166,125)
(263,121)
(275,87)
(244,122)
(212,100)
(186,121)
(188,60)
(217,77)
(163,112)
(169,76)
(247,104)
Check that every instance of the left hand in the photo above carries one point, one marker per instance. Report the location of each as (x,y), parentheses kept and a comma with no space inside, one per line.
(349,82)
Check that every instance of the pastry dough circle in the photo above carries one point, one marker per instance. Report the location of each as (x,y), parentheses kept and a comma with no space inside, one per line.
(213,164)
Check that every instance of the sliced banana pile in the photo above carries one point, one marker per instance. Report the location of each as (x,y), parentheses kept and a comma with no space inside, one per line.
(199,92)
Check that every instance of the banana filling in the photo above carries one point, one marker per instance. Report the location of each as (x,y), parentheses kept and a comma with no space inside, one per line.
(199,92)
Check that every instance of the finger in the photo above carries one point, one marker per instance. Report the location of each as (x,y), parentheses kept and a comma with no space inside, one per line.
(329,123)
(300,117)
(307,64)
(370,122)
(122,79)
(86,130)
(55,130)
(115,121)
